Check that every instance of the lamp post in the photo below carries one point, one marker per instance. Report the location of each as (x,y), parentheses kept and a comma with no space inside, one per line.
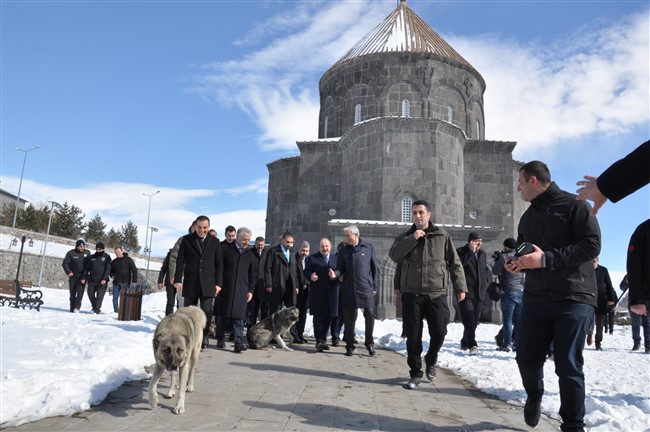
(146,232)
(148,251)
(47,236)
(20,258)
(20,185)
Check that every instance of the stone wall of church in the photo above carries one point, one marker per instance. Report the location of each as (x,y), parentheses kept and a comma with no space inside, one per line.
(386,159)
(435,87)
(282,197)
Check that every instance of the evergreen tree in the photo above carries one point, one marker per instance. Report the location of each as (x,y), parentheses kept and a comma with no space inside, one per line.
(95,232)
(33,219)
(113,239)
(7,214)
(68,222)
(129,236)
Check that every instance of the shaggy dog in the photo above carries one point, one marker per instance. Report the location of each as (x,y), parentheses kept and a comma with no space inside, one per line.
(176,348)
(272,327)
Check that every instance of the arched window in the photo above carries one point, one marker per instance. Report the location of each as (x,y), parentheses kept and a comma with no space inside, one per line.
(407,203)
(406,108)
(450,114)
(325,127)
(478,130)
(357,113)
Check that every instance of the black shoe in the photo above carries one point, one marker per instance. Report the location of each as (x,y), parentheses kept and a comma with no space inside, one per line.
(231,338)
(240,348)
(598,347)
(220,343)
(637,346)
(413,383)
(349,351)
(430,372)
(298,341)
(371,350)
(319,347)
(335,342)
(532,411)
(205,343)
(326,347)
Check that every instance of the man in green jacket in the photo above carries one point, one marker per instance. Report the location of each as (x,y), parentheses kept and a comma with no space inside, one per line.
(428,258)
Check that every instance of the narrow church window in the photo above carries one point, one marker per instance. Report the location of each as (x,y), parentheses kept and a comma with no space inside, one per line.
(407,203)
(357,113)
(406,108)
(478,130)
(325,127)
(450,114)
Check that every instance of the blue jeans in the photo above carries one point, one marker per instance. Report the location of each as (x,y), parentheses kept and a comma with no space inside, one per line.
(117,287)
(565,323)
(511,312)
(639,321)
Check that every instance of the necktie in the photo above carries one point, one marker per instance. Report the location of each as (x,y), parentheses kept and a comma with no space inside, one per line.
(327,260)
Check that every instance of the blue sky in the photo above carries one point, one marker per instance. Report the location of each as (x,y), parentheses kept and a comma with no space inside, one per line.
(195,98)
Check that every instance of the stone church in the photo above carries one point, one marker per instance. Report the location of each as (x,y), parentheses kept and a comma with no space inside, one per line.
(401,118)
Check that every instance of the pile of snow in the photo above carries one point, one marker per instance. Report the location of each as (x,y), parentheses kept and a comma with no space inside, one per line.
(58,363)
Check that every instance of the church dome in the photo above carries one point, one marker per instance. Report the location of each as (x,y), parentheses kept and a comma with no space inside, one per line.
(404,31)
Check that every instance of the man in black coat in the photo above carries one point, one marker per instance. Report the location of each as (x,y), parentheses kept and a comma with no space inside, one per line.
(124,273)
(606,299)
(73,266)
(164,280)
(97,272)
(358,270)
(255,306)
(200,268)
(638,271)
(560,292)
(477,277)
(303,292)
(238,287)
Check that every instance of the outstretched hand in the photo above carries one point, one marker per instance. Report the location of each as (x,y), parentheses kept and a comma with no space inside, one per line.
(589,191)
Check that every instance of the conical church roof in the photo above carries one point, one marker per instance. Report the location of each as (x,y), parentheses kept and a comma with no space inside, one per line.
(404,31)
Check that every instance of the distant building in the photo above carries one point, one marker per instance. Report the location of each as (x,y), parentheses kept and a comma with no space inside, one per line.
(401,118)
(9,198)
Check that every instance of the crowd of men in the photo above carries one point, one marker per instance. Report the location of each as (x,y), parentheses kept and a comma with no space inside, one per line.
(554,290)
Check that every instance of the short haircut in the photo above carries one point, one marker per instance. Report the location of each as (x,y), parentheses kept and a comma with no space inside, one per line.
(304,244)
(422,203)
(259,239)
(538,169)
(230,228)
(244,230)
(352,229)
(202,218)
(118,247)
(287,234)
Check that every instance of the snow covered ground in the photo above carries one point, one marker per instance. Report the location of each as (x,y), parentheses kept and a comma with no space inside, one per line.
(70,362)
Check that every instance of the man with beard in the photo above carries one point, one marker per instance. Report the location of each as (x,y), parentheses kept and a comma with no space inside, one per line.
(123,272)
(97,271)
(73,265)
(255,306)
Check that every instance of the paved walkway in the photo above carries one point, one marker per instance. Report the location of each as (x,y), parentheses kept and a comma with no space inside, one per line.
(275,390)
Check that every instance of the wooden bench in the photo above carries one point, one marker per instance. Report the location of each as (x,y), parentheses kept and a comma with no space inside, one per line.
(27,298)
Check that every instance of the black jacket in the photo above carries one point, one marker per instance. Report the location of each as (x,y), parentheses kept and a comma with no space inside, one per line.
(627,175)
(97,268)
(360,270)
(638,264)
(570,237)
(200,270)
(277,272)
(260,261)
(74,261)
(164,273)
(238,281)
(477,272)
(123,270)
(606,291)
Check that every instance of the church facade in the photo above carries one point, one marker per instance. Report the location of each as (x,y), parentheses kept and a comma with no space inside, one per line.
(401,118)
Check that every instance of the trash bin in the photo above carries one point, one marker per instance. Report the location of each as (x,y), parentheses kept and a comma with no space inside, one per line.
(130,304)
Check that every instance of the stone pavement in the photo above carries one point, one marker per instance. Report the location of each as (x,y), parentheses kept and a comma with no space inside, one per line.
(276,390)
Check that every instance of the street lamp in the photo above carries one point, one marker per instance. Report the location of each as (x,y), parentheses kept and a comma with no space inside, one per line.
(20,258)
(146,274)
(47,235)
(20,185)
(146,232)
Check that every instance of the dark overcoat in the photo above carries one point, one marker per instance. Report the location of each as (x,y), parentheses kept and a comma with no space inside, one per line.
(360,270)
(477,273)
(277,271)
(238,281)
(260,261)
(200,270)
(324,293)
(606,291)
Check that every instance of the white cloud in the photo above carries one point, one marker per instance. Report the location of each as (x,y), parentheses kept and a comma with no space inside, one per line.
(593,81)
(172,210)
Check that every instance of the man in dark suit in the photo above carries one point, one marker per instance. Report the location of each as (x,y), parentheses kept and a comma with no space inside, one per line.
(324,291)
(255,305)
(478,277)
(281,276)
(303,292)
(200,268)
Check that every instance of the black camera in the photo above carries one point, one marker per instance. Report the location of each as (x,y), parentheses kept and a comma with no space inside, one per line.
(496,255)
(524,248)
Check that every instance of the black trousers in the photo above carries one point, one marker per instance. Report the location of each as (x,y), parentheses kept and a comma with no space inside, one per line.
(301,303)
(171,298)
(96,293)
(349,320)
(415,309)
(470,311)
(205,303)
(76,292)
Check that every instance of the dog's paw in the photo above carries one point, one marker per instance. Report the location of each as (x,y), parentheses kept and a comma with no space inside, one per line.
(153,400)
(171,393)
(288,349)
(180,408)
(190,388)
